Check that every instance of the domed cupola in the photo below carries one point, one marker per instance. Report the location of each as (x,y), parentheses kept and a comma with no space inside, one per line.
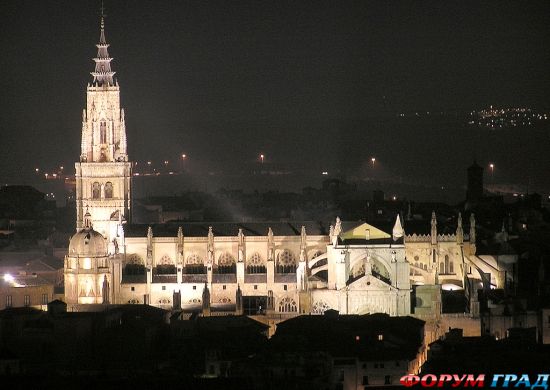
(88,242)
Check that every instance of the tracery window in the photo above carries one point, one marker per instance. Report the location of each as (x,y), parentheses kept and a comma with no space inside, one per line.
(287,305)
(286,262)
(165,260)
(319,307)
(194,265)
(134,258)
(255,264)
(226,264)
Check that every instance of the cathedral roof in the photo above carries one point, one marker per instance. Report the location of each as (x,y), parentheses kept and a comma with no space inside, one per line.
(87,242)
(227,229)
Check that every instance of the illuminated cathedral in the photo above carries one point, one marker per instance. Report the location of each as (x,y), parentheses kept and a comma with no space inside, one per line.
(273,269)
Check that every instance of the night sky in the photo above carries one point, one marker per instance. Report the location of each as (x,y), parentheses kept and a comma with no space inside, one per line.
(313,85)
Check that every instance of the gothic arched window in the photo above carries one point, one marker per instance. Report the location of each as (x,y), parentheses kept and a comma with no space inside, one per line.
(319,307)
(255,264)
(287,305)
(226,264)
(286,262)
(194,264)
(108,190)
(96,190)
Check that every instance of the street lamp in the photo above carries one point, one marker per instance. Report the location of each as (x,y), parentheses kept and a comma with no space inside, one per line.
(373,160)
(492,168)
(262,157)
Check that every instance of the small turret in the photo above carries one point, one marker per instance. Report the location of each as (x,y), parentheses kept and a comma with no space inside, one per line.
(397,231)
(433,232)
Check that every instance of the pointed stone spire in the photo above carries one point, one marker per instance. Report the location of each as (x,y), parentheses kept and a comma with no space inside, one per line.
(270,245)
(472,229)
(459,230)
(149,236)
(397,231)
(103,75)
(149,246)
(210,246)
(180,241)
(433,232)
(303,238)
(240,239)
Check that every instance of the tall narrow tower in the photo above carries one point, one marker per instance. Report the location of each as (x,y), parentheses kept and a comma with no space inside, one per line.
(103,174)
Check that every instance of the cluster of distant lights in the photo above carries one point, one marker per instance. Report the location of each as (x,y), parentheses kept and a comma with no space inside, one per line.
(153,171)
(506,117)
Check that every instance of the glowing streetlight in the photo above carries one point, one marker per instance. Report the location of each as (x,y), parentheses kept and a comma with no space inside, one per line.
(373,160)
(262,157)
(36,170)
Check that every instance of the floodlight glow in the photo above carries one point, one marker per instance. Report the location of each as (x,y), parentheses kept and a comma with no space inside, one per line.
(8,278)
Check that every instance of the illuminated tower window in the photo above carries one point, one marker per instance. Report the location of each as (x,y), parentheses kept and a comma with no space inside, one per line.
(96,190)
(108,190)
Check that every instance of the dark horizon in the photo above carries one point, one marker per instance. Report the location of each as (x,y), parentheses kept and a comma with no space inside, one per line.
(313,87)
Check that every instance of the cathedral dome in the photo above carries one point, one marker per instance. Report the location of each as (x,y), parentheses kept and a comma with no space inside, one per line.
(87,242)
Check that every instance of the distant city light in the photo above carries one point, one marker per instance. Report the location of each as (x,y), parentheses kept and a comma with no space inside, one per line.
(324,173)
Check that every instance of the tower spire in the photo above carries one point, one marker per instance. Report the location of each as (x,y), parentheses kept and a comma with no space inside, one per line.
(103,76)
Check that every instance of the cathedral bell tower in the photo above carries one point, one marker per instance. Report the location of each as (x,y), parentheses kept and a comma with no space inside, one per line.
(103,174)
